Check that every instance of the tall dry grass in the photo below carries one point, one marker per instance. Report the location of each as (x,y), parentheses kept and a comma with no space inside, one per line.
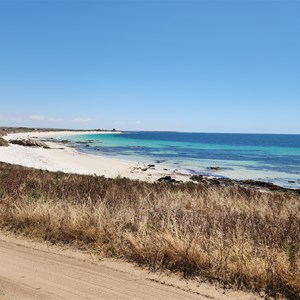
(233,235)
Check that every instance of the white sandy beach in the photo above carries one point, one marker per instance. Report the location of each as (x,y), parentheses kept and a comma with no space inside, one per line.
(66,159)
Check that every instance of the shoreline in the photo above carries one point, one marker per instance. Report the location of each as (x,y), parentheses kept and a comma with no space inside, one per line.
(63,158)
(60,157)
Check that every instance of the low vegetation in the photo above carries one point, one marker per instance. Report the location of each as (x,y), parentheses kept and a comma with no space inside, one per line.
(237,236)
(3,142)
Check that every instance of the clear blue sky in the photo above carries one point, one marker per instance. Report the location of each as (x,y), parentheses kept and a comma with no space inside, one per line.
(208,66)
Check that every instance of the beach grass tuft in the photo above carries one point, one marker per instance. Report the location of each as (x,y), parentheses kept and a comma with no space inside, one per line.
(236,236)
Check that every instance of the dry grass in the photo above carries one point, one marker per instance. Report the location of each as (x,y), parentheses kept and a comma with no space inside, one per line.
(233,235)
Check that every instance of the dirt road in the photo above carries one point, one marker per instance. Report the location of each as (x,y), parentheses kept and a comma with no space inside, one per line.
(33,271)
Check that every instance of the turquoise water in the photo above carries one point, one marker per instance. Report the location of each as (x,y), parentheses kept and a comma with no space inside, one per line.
(271,158)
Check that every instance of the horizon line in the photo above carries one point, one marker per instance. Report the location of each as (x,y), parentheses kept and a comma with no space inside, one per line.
(130,130)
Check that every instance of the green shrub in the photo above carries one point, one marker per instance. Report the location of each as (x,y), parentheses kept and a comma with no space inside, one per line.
(3,142)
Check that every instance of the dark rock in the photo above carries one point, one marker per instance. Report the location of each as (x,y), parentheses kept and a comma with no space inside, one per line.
(197,178)
(215,181)
(168,179)
(165,178)
(65,141)
(151,166)
(29,143)
(262,184)
(81,142)
(214,168)
(221,181)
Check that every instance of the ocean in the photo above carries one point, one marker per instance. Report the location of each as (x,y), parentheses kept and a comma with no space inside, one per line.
(273,158)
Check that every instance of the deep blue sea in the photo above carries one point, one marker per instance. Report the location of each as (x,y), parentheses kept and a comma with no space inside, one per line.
(268,157)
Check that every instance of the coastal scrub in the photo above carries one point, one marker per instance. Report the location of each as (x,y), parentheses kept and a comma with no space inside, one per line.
(3,142)
(236,236)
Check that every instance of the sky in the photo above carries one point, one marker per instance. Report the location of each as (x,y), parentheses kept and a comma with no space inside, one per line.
(197,66)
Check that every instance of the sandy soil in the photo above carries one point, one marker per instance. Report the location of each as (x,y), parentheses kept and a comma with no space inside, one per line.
(31,270)
(62,158)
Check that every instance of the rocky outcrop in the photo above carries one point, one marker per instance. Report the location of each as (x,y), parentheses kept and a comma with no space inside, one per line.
(82,142)
(64,141)
(168,179)
(227,182)
(29,143)
(262,184)
(214,168)
(197,178)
